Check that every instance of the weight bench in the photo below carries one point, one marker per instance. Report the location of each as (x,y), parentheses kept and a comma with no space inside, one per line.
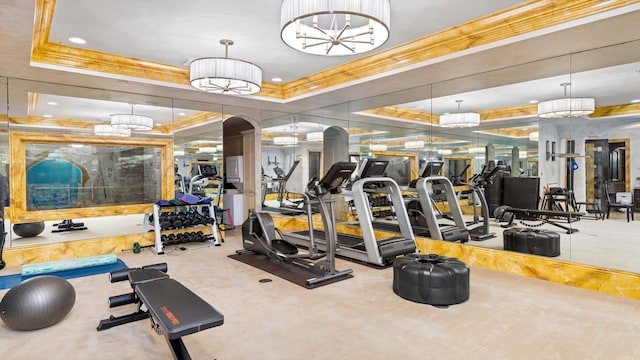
(543,215)
(174,310)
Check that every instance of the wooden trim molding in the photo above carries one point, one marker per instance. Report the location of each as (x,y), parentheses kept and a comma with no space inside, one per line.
(18,184)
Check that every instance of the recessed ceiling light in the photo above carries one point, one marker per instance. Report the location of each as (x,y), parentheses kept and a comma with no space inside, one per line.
(402,61)
(77,40)
(47,115)
(533,101)
(182,114)
(52,103)
(635,101)
(313,86)
(276,79)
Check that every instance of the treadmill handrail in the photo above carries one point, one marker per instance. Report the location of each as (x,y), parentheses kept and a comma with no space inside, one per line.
(426,203)
(365,218)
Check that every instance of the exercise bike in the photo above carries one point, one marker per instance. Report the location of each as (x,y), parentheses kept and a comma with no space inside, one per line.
(260,236)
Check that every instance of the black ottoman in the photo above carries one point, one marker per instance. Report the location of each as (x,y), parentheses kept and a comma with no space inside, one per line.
(431,279)
(532,241)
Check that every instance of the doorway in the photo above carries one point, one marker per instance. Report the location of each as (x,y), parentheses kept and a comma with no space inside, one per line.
(239,144)
(607,164)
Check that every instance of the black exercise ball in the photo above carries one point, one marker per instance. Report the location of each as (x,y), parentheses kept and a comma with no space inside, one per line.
(37,303)
(29,229)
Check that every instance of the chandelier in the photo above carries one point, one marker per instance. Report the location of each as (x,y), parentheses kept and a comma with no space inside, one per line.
(224,75)
(131,121)
(108,130)
(459,119)
(567,106)
(315,136)
(207,149)
(417,144)
(285,140)
(377,147)
(335,27)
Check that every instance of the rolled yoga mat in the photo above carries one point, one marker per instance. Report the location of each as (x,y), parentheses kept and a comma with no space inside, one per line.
(69,264)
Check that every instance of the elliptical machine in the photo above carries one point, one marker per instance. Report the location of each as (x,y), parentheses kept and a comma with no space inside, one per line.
(478,181)
(259,232)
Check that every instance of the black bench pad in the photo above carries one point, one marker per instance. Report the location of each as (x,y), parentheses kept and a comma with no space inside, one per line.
(177,309)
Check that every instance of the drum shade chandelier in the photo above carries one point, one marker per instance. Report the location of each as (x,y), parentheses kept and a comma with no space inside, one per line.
(566,107)
(108,130)
(285,140)
(416,144)
(459,119)
(335,27)
(377,147)
(315,136)
(225,75)
(131,121)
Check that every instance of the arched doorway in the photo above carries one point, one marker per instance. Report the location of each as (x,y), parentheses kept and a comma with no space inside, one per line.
(241,143)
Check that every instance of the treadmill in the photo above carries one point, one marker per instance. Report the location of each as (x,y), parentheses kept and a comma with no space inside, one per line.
(431,185)
(428,186)
(369,249)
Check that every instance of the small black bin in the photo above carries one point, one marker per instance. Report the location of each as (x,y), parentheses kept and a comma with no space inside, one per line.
(431,279)
(532,241)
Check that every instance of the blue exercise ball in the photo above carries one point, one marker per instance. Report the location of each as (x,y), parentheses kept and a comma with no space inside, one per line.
(29,229)
(37,303)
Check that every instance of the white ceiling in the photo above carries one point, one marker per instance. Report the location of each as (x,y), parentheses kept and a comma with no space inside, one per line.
(174,31)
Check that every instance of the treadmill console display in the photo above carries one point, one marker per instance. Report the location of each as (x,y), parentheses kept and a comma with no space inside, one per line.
(338,174)
(432,169)
(373,168)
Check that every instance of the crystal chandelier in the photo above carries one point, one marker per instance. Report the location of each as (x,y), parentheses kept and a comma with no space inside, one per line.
(225,75)
(335,27)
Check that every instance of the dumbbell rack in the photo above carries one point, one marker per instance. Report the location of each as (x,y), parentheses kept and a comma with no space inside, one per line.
(158,247)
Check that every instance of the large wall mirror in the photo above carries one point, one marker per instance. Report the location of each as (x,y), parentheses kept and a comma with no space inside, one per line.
(70,176)
(547,162)
(591,159)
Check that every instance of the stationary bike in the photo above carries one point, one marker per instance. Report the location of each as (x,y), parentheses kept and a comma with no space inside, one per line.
(261,236)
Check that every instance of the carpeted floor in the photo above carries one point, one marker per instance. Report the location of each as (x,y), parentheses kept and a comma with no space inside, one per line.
(506,317)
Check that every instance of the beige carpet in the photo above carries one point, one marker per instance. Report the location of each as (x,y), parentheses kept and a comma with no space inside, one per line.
(506,317)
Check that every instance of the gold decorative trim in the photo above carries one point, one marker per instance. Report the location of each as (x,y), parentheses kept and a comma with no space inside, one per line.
(200,118)
(395,112)
(607,281)
(17,145)
(531,16)
(616,110)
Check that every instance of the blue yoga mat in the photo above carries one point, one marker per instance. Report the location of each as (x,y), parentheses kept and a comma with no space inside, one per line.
(8,281)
